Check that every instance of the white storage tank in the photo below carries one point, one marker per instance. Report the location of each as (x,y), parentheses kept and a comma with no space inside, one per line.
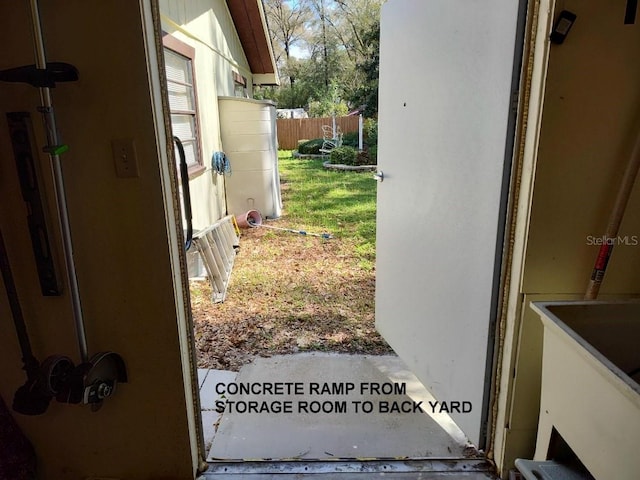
(249,139)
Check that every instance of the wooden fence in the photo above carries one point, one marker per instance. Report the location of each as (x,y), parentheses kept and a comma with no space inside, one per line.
(290,130)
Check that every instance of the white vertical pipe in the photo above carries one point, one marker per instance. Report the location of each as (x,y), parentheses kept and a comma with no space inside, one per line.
(61,198)
(360,128)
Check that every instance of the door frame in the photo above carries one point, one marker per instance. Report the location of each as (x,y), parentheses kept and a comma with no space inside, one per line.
(503,263)
(540,17)
(508,210)
(150,13)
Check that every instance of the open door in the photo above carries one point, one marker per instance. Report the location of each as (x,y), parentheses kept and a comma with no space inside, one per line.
(448,76)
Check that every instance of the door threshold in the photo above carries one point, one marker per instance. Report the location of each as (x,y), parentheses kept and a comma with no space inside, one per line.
(469,468)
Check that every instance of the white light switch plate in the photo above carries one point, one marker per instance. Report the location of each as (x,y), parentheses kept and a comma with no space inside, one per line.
(124,157)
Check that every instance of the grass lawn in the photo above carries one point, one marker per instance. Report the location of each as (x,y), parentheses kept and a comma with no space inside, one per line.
(342,203)
(290,292)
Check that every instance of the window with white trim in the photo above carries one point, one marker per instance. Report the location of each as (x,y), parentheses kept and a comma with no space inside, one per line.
(178,59)
(240,85)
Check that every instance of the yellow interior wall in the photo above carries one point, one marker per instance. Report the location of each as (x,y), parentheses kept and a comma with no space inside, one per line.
(590,119)
(121,244)
(206,25)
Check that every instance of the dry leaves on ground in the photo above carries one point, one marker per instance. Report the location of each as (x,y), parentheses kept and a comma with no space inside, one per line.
(287,293)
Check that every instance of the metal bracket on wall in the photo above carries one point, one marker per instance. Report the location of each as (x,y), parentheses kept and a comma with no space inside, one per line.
(22,140)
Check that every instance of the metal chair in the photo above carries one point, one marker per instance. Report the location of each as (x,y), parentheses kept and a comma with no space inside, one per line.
(330,139)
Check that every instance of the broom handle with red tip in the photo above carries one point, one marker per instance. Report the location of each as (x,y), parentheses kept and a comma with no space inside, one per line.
(615,220)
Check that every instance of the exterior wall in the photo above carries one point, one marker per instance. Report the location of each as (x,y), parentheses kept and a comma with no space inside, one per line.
(126,260)
(574,161)
(206,25)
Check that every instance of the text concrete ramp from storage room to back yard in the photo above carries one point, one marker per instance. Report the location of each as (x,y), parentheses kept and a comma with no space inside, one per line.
(340,407)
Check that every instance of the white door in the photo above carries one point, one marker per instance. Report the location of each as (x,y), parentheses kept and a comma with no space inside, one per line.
(445,130)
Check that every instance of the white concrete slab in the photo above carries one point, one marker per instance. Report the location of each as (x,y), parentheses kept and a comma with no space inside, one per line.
(303,434)
(207,380)
(208,395)
(202,375)
(210,420)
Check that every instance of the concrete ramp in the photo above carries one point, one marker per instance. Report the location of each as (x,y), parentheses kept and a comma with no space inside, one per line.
(318,406)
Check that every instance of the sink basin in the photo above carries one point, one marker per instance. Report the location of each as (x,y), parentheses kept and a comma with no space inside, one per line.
(590,392)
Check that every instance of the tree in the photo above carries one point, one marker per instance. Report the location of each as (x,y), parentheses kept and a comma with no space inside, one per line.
(367,93)
(356,24)
(287,23)
(351,21)
(341,38)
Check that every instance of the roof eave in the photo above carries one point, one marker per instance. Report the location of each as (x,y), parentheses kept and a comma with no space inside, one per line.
(251,24)
(265,79)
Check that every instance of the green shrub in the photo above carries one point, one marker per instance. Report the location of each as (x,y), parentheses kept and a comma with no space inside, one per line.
(373,155)
(310,147)
(327,108)
(350,139)
(344,155)
(363,158)
(369,156)
(370,131)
